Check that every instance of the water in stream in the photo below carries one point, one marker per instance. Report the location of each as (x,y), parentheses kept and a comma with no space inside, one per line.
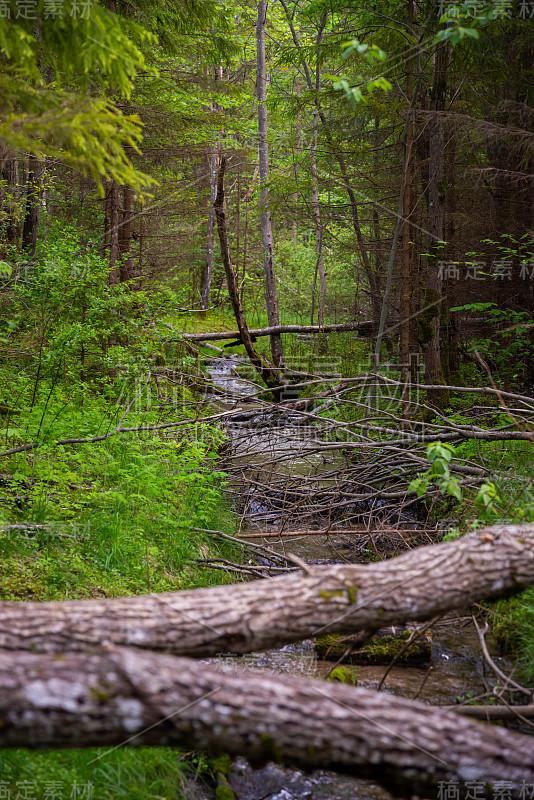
(456,672)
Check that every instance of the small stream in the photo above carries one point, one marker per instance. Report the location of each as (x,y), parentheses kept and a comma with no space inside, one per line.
(456,671)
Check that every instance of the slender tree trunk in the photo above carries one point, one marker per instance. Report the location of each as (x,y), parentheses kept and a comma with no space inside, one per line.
(296,172)
(248,194)
(272,377)
(125,235)
(432,302)
(453,323)
(334,149)
(33,199)
(271,296)
(113,227)
(378,244)
(319,265)
(238,223)
(208,265)
(407,249)
(10,198)
(245,255)
(319,268)
(141,238)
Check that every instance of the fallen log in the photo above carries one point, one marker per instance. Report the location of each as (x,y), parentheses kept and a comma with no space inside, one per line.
(361,531)
(363,328)
(389,643)
(240,618)
(130,697)
(498,712)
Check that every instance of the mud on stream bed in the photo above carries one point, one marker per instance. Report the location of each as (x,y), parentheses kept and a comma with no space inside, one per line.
(456,671)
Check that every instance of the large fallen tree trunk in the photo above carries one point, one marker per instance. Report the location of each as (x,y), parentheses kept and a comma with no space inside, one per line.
(363,328)
(326,599)
(128,696)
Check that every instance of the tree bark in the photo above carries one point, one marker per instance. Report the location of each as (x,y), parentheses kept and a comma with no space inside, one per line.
(319,263)
(319,266)
(407,260)
(33,199)
(208,265)
(363,328)
(125,235)
(10,196)
(113,228)
(244,617)
(272,377)
(271,296)
(433,296)
(127,696)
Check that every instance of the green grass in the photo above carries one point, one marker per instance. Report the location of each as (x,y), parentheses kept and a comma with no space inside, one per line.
(118,519)
(513,625)
(145,773)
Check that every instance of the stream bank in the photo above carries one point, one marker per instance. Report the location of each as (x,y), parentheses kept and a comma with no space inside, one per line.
(261,456)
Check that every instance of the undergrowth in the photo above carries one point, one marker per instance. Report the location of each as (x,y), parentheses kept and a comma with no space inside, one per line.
(118,516)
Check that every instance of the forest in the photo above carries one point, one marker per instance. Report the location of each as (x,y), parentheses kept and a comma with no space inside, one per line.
(266,400)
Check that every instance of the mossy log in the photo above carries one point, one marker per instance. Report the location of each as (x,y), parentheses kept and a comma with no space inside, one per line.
(387,644)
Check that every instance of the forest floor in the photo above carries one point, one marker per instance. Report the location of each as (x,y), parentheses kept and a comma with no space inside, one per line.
(121,517)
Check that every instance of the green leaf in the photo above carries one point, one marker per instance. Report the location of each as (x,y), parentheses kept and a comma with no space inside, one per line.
(453,489)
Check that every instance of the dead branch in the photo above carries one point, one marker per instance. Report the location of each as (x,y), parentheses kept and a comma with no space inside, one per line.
(363,328)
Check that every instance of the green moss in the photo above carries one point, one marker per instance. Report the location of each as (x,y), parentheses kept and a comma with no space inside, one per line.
(270,748)
(387,646)
(324,594)
(222,768)
(221,764)
(224,793)
(329,594)
(352,593)
(344,674)
(101,695)
(380,650)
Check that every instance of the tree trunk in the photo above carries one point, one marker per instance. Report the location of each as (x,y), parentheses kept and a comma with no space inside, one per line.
(407,259)
(433,296)
(112,225)
(130,697)
(33,199)
(319,267)
(453,317)
(416,586)
(363,328)
(298,145)
(272,377)
(10,196)
(371,276)
(378,243)
(271,297)
(125,235)
(208,266)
